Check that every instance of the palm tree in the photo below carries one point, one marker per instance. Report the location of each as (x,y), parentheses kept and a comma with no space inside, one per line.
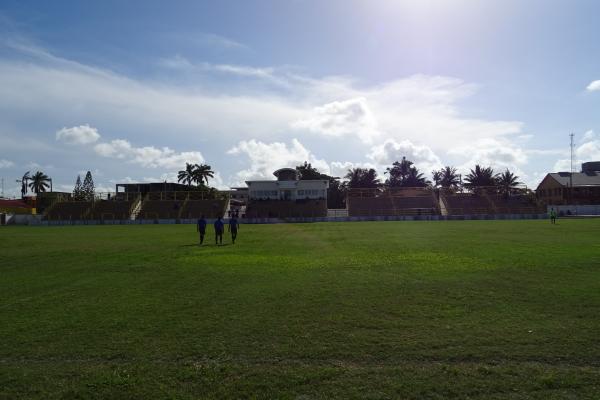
(201,173)
(39,182)
(449,178)
(362,178)
(480,177)
(437,178)
(405,174)
(308,172)
(507,182)
(415,179)
(187,175)
(398,172)
(24,181)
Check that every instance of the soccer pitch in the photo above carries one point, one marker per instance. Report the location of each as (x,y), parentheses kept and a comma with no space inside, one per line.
(449,309)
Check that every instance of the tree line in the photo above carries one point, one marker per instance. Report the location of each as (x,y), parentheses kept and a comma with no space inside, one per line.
(401,173)
(404,173)
(38,182)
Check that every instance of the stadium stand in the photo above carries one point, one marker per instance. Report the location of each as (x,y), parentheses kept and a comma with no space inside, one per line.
(69,210)
(467,204)
(519,204)
(209,208)
(287,208)
(111,210)
(160,209)
(392,202)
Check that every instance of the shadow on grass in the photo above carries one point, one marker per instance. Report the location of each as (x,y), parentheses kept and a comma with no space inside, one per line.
(204,245)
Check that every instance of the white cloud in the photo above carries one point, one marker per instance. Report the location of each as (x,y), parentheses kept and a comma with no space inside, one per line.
(265,158)
(203,39)
(340,168)
(422,156)
(259,103)
(6,163)
(593,86)
(339,118)
(149,156)
(82,134)
(418,108)
(589,135)
(499,154)
(218,40)
(588,150)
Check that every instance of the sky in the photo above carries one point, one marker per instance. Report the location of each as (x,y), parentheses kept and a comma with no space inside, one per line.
(131,91)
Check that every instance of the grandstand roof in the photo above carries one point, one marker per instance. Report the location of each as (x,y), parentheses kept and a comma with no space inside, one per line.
(590,178)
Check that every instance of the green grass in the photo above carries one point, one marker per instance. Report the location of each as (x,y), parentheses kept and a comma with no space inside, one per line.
(416,310)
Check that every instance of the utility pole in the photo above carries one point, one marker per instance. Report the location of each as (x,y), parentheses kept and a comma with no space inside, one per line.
(572,135)
(2,195)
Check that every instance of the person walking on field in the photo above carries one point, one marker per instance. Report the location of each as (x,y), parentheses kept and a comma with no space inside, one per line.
(552,216)
(233,228)
(201,227)
(219,227)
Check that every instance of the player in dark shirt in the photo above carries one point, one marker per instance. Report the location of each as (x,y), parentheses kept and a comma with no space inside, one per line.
(201,227)
(219,227)
(233,228)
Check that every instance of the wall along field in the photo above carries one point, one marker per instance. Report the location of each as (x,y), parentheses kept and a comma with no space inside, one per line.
(456,309)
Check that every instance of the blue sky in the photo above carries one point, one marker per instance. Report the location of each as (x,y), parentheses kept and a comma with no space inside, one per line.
(133,90)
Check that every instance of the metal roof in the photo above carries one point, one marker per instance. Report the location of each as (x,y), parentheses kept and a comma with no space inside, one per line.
(590,178)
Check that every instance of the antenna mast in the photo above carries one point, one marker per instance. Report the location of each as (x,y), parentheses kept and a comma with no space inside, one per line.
(571,172)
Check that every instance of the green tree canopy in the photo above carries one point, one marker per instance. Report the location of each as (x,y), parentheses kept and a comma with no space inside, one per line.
(39,182)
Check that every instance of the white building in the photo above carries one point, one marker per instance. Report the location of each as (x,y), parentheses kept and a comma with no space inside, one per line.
(287,187)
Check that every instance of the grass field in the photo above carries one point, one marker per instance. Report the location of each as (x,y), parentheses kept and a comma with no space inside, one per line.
(423,310)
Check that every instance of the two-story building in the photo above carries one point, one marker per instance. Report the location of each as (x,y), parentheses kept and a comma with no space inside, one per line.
(578,188)
(288,187)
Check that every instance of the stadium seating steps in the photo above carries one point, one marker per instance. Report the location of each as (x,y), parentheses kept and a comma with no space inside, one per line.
(208,208)
(392,206)
(111,210)
(467,204)
(515,205)
(286,209)
(69,210)
(160,209)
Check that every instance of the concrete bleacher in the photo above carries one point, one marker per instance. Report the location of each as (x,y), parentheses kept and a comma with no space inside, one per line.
(286,209)
(514,204)
(392,206)
(160,209)
(111,210)
(467,204)
(209,208)
(69,210)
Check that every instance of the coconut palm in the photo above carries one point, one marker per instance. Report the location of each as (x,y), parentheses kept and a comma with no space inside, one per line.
(24,181)
(480,177)
(362,178)
(415,179)
(507,182)
(437,178)
(398,172)
(39,182)
(449,178)
(201,173)
(405,174)
(308,172)
(187,175)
